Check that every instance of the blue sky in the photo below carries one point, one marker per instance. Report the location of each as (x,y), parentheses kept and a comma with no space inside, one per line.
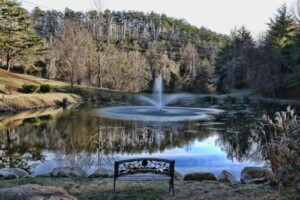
(218,15)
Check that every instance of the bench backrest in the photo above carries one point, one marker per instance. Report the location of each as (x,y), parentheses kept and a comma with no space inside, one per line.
(144,165)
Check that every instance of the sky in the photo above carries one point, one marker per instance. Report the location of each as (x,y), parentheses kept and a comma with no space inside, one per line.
(220,16)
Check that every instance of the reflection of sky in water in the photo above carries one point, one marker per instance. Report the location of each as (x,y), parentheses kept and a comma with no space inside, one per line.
(201,156)
(46,166)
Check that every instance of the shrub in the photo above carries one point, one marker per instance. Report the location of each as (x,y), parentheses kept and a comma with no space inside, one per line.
(33,70)
(30,88)
(44,88)
(283,146)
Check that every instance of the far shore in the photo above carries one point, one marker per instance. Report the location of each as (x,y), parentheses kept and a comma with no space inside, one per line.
(19,102)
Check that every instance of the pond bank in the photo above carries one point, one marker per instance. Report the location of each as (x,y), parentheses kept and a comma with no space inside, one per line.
(18,102)
(102,188)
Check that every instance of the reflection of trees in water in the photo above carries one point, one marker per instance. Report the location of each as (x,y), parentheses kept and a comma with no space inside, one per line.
(17,151)
(138,137)
(239,140)
(79,139)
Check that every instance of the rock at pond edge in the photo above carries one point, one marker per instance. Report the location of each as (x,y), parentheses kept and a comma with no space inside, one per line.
(200,176)
(226,176)
(255,175)
(68,172)
(34,192)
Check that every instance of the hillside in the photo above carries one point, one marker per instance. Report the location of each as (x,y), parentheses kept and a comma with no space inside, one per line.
(13,99)
(11,83)
(126,50)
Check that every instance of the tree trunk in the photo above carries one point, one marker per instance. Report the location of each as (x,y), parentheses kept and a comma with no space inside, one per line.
(72,78)
(99,74)
(70,66)
(8,62)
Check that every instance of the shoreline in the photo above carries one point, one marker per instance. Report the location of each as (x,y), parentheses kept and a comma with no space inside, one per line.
(21,102)
(76,184)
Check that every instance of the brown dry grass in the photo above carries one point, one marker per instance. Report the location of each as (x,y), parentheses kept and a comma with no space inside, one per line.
(29,101)
(11,83)
(102,188)
(12,100)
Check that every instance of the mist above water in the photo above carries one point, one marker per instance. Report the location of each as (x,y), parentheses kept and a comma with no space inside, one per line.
(158,99)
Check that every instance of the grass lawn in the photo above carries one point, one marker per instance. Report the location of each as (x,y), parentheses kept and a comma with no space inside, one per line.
(102,188)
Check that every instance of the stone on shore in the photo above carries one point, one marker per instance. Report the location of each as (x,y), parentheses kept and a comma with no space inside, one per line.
(226,176)
(178,176)
(35,192)
(13,173)
(102,173)
(200,176)
(255,175)
(7,175)
(68,172)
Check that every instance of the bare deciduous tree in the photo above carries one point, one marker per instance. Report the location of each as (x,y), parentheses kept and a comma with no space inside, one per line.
(74,51)
(189,56)
(296,10)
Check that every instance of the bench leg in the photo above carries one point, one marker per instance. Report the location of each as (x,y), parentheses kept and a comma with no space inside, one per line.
(114,187)
(171,186)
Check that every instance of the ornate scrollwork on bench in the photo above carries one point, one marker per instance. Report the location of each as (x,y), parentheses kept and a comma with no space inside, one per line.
(144,166)
(142,169)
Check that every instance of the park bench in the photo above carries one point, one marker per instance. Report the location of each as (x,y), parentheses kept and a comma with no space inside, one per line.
(145,169)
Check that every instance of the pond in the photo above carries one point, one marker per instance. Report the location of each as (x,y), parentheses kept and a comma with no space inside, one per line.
(41,140)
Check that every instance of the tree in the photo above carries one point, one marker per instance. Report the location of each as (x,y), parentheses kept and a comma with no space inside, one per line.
(153,55)
(281,27)
(235,60)
(17,37)
(139,73)
(296,11)
(75,52)
(275,50)
(137,36)
(189,56)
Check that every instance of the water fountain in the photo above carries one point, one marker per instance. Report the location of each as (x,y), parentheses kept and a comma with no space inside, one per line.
(158,109)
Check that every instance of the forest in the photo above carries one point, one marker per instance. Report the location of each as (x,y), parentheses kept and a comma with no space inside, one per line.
(125,51)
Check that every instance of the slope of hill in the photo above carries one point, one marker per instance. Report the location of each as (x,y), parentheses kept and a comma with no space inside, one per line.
(13,99)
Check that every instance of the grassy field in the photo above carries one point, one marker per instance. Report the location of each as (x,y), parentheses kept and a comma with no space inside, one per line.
(102,188)
(13,99)
(11,83)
